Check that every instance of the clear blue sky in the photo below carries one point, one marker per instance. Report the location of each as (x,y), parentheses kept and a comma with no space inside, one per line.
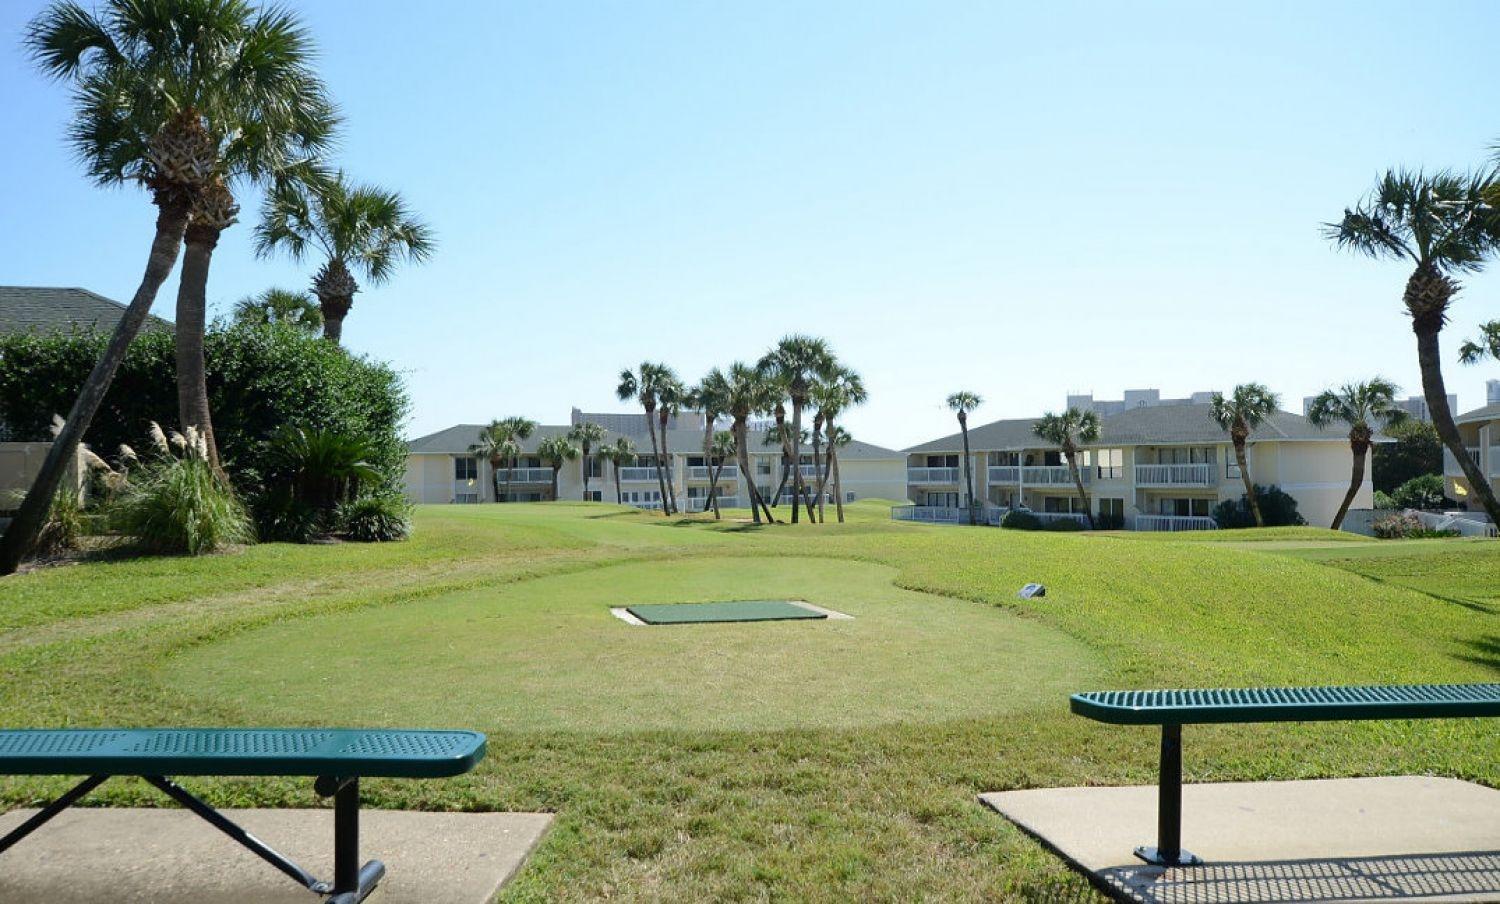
(1015,200)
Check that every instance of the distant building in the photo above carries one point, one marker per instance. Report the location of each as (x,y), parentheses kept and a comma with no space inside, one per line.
(1134,398)
(45,309)
(1414,406)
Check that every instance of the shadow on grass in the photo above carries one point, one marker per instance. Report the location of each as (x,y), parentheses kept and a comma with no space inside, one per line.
(1486,652)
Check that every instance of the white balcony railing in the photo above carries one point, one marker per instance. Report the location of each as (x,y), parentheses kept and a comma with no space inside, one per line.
(1004,473)
(1048,517)
(1175,522)
(702,472)
(1196,475)
(932,475)
(931,514)
(525,475)
(700,503)
(627,474)
(810,472)
(1051,475)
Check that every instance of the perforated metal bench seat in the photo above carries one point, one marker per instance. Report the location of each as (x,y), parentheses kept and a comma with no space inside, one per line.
(368,753)
(1172,709)
(1289,704)
(336,757)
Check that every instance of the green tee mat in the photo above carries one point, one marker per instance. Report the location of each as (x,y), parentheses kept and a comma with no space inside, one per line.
(740,611)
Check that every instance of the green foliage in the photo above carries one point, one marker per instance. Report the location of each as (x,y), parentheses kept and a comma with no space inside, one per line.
(1422,492)
(1019,520)
(1277,507)
(1063,525)
(260,378)
(377,518)
(177,504)
(307,475)
(1417,450)
(1384,501)
(64,524)
(1407,526)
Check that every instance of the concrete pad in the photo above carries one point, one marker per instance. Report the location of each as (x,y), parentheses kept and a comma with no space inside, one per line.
(169,856)
(1408,838)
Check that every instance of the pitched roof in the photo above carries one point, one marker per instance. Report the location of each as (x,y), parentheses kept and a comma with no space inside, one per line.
(458,439)
(46,309)
(1165,424)
(1490,412)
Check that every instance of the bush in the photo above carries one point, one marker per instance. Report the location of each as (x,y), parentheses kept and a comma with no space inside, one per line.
(1406,526)
(175,503)
(1424,492)
(1064,524)
(64,524)
(1018,520)
(1384,501)
(377,518)
(1278,508)
(1416,451)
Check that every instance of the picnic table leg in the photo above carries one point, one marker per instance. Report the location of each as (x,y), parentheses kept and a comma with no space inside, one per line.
(352,883)
(1168,850)
(51,810)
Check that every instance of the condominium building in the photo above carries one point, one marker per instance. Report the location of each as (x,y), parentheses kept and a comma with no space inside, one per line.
(1480,431)
(1160,466)
(443,467)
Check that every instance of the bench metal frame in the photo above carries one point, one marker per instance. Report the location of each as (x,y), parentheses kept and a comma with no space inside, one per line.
(1171,709)
(351,884)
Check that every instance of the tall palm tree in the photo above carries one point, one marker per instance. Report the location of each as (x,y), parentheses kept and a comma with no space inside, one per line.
(833,396)
(747,393)
(964,402)
(1068,431)
(280,306)
(1249,406)
(501,442)
(618,453)
(1443,225)
(671,395)
(797,362)
(146,111)
(356,228)
(644,384)
(708,398)
(721,449)
(554,450)
(1486,346)
(1362,406)
(586,435)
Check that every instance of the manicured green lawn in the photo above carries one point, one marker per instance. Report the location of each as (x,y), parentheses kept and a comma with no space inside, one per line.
(819,760)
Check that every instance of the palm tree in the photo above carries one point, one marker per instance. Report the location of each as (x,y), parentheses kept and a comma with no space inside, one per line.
(721,450)
(360,228)
(671,394)
(147,111)
(280,306)
(1442,225)
(1067,431)
(618,453)
(797,362)
(708,398)
(748,393)
(586,435)
(964,402)
(1361,406)
(644,384)
(1249,406)
(500,442)
(554,450)
(1486,346)
(843,390)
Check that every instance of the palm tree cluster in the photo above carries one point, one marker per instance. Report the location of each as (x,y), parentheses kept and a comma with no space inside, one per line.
(800,371)
(195,101)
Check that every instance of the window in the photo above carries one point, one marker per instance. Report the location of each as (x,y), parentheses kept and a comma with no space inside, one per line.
(942,461)
(1112,508)
(465,469)
(1183,508)
(1110,463)
(1005,459)
(849,497)
(946,500)
(762,466)
(1231,466)
(595,496)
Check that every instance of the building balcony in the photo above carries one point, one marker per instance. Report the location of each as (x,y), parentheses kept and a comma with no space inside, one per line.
(703,472)
(700,503)
(932,514)
(638,474)
(1052,475)
(1003,473)
(930,476)
(1198,475)
(524,475)
(1174,522)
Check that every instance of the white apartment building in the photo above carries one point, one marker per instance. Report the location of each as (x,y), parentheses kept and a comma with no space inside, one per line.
(1480,431)
(1162,465)
(443,468)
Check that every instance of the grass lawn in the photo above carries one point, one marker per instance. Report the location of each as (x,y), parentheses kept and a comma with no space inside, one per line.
(815,760)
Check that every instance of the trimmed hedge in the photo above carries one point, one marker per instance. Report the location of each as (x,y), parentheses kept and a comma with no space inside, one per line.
(1277,507)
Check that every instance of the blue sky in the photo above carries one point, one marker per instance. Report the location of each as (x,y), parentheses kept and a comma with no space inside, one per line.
(1019,200)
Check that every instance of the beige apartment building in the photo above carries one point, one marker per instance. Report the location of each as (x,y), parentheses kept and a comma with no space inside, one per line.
(1480,431)
(443,468)
(1161,465)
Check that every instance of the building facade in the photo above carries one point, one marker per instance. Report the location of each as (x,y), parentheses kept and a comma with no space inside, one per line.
(443,468)
(1480,431)
(1161,466)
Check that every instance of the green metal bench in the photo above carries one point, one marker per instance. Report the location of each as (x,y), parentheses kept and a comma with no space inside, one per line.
(1172,709)
(336,758)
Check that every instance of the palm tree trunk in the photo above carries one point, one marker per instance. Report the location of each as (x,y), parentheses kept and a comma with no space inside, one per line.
(1239,457)
(192,302)
(666,474)
(786,475)
(838,488)
(1088,511)
(585,472)
(819,468)
(742,454)
(1360,448)
(335,309)
(619,495)
(796,440)
(713,487)
(556,469)
(963,424)
(20,538)
(495,477)
(661,481)
(1430,359)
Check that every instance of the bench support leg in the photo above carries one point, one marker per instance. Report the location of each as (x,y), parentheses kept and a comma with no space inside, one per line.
(352,882)
(1168,850)
(51,810)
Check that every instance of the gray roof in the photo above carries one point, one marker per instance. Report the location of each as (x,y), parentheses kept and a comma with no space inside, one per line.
(458,440)
(45,309)
(1165,424)
(1490,412)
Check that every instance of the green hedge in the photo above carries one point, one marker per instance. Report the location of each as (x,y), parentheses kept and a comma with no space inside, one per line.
(260,378)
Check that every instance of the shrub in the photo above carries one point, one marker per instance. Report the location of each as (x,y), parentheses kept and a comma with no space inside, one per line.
(1278,508)
(1064,524)
(64,524)
(377,518)
(1422,492)
(175,503)
(1383,500)
(306,475)
(1416,451)
(1018,520)
(1406,526)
